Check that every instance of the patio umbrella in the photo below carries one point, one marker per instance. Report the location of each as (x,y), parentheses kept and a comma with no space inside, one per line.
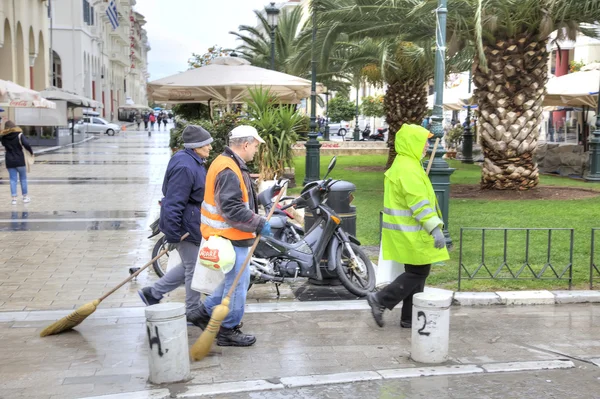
(575,89)
(13,95)
(456,98)
(227,80)
(73,100)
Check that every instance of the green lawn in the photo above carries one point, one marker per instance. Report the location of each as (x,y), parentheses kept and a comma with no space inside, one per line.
(579,214)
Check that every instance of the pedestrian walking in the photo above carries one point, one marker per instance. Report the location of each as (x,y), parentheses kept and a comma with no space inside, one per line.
(412,225)
(15,145)
(138,119)
(159,119)
(183,189)
(230,210)
(146,119)
(152,119)
(164,119)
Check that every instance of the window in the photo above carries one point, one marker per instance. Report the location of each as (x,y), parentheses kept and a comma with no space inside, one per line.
(56,70)
(88,13)
(98,121)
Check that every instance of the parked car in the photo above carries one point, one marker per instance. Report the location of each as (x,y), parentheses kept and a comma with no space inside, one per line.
(96,125)
(340,128)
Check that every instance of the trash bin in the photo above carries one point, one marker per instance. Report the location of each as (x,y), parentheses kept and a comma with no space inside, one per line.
(339,199)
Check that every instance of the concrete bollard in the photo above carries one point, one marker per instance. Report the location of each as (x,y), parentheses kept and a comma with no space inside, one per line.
(168,354)
(430,327)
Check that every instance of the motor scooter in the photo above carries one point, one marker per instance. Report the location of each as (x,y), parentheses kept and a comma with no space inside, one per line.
(323,250)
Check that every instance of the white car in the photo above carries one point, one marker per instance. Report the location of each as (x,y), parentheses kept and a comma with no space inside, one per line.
(94,124)
(340,128)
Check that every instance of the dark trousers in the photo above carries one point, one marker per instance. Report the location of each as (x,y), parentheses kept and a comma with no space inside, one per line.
(402,289)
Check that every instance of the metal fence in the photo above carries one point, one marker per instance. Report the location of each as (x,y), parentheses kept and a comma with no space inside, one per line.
(594,272)
(525,271)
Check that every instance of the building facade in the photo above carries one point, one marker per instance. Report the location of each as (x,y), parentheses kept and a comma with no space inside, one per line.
(98,54)
(24,41)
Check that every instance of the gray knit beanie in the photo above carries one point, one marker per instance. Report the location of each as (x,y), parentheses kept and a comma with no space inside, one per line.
(196,137)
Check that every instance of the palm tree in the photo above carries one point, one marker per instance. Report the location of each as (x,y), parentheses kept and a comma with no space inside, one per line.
(510,71)
(406,69)
(256,41)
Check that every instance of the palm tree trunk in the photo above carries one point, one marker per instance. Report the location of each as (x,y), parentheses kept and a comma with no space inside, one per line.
(510,95)
(404,102)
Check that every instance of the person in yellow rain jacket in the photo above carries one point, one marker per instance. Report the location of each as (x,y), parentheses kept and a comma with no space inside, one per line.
(412,225)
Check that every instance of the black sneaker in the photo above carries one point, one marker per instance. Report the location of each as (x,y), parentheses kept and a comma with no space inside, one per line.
(199,318)
(376,309)
(146,296)
(406,323)
(234,337)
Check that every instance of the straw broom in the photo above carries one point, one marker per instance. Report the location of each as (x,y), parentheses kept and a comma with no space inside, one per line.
(74,319)
(435,146)
(203,344)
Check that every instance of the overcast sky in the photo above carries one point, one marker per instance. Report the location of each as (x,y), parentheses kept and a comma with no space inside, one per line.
(177,28)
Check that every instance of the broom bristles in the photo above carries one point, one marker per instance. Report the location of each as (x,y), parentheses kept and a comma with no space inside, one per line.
(71,320)
(203,344)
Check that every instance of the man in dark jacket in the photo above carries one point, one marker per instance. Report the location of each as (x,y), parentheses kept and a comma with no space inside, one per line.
(183,190)
(16,144)
(230,210)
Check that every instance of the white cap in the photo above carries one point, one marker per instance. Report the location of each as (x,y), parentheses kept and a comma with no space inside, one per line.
(245,131)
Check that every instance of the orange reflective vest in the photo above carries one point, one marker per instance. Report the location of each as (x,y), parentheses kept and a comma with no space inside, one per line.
(212,223)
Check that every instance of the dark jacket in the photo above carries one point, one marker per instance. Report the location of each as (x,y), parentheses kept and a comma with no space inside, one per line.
(183,190)
(228,199)
(14,156)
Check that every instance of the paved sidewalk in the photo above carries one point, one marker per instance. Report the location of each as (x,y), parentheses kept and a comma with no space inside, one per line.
(107,353)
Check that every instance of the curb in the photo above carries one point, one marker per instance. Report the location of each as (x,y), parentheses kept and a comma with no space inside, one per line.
(541,297)
(196,391)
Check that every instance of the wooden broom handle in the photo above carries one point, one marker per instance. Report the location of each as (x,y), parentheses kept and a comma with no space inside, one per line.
(134,275)
(435,146)
(256,241)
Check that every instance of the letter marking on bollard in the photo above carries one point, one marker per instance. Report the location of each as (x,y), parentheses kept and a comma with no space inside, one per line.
(155,340)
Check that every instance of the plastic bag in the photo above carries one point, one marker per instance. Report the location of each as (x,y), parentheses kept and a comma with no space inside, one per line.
(387,270)
(206,280)
(217,253)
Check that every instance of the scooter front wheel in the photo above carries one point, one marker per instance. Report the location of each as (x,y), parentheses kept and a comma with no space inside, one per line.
(358,274)
(160,265)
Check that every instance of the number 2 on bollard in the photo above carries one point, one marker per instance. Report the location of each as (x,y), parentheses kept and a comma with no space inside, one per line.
(420,330)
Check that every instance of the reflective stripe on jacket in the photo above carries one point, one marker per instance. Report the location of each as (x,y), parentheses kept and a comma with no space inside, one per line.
(410,210)
(212,221)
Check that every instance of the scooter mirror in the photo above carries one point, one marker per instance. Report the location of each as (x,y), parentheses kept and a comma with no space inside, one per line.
(331,164)
(330,167)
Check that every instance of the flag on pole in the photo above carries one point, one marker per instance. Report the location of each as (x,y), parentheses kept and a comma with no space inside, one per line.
(112,14)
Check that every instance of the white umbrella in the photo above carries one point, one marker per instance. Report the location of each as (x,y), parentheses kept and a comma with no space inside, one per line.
(575,89)
(73,100)
(227,80)
(13,95)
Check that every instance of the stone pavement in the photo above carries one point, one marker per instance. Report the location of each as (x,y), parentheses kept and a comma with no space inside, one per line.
(107,353)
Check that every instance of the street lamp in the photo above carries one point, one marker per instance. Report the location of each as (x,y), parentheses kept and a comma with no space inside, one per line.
(326,129)
(594,173)
(440,171)
(312,145)
(468,134)
(356,128)
(272,17)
